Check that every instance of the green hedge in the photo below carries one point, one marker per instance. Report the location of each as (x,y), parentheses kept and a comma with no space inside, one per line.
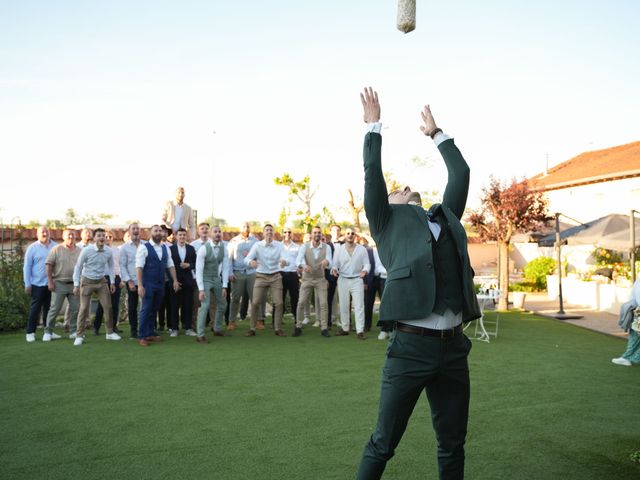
(14,302)
(536,271)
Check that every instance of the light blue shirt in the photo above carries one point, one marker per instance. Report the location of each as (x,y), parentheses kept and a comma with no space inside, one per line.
(238,249)
(268,256)
(128,262)
(94,264)
(34,270)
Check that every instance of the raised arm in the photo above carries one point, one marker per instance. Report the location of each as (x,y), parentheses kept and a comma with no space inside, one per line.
(376,202)
(458,174)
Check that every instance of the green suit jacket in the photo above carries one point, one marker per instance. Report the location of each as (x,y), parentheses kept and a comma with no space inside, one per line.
(404,240)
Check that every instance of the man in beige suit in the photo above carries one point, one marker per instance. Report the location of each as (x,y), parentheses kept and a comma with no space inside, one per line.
(177,214)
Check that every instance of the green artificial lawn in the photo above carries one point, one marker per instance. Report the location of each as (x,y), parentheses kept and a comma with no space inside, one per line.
(547,403)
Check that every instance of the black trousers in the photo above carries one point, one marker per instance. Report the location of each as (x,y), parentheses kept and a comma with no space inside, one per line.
(132,310)
(370,299)
(291,284)
(115,308)
(182,307)
(164,312)
(415,364)
(40,302)
(331,291)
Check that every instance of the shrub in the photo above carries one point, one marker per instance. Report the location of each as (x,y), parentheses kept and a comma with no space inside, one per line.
(536,271)
(523,287)
(14,303)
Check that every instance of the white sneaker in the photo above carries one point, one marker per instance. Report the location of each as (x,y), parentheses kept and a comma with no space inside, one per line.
(383,336)
(55,336)
(31,337)
(316,324)
(173,333)
(305,321)
(73,335)
(190,333)
(78,341)
(621,361)
(46,337)
(113,336)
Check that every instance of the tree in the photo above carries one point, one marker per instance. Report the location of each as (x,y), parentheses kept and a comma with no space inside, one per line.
(507,208)
(301,190)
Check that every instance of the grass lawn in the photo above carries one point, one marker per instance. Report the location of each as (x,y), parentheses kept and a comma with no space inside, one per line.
(547,403)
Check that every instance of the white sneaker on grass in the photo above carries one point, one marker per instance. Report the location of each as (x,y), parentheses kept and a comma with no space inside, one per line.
(190,333)
(52,336)
(305,321)
(73,336)
(46,337)
(113,336)
(621,361)
(173,333)
(78,341)
(31,337)
(316,324)
(383,336)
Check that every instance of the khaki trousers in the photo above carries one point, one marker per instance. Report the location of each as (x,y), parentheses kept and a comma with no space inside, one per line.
(320,286)
(64,290)
(267,283)
(101,288)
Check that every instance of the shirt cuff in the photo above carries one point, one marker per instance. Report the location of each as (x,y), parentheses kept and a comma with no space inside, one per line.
(440,137)
(375,127)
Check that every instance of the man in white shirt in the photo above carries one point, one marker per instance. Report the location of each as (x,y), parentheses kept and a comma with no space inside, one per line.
(290,277)
(129,277)
(115,296)
(266,257)
(351,264)
(153,259)
(203,236)
(212,276)
(242,277)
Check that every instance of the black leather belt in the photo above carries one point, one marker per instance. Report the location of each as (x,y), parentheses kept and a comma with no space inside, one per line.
(429,332)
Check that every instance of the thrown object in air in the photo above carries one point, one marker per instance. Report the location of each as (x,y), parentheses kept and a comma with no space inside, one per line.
(406,15)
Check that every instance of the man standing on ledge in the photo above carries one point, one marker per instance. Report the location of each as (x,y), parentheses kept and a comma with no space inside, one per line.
(428,295)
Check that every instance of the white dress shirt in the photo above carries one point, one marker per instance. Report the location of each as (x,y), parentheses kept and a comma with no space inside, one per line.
(268,256)
(142,253)
(290,254)
(350,266)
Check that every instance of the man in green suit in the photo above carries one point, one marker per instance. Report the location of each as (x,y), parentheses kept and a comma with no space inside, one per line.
(428,296)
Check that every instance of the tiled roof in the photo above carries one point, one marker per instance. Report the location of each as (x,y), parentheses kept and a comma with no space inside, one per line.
(597,166)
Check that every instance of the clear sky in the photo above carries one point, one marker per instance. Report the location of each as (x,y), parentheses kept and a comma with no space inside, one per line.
(106,107)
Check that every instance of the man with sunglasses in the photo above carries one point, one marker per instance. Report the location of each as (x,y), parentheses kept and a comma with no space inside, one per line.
(428,295)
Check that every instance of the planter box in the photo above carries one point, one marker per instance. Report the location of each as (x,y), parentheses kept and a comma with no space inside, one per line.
(605,297)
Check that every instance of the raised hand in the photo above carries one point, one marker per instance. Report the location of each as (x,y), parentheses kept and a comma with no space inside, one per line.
(429,128)
(371,106)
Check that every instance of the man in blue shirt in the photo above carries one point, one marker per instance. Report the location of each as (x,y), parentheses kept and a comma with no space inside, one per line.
(35,280)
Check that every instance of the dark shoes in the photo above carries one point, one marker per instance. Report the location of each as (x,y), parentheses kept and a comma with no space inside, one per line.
(280,333)
(341,333)
(154,338)
(250,333)
(296,332)
(361,336)
(202,340)
(143,343)
(325,333)
(220,334)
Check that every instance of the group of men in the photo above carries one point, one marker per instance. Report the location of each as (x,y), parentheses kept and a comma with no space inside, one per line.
(182,283)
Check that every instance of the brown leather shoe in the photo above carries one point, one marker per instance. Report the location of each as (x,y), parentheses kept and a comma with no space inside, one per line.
(219,334)
(202,340)
(361,336)
(341,332)
(143,343)
(231,326)
(280,333)
(250,333)
(155,338)
(260,325)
